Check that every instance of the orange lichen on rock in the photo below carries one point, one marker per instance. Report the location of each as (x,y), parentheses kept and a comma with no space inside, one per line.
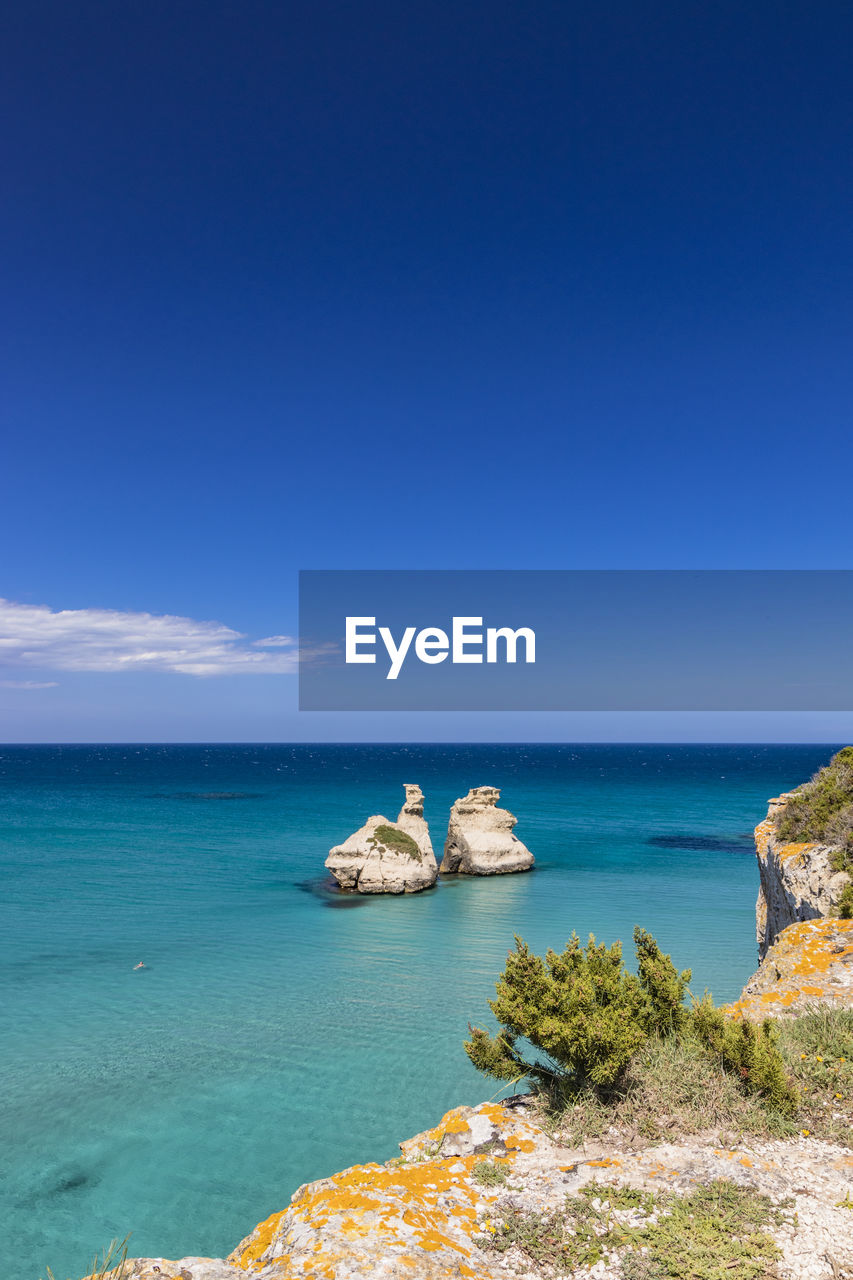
(415,1216)
(810,963)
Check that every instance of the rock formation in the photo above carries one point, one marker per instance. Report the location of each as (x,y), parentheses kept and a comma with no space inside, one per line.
(479,837)
(428,1216)
(798,881)
(388,857)
(806,952)
(809,963)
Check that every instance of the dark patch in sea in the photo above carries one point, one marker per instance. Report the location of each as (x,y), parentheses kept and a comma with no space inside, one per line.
(742,843)
(330,895)
(67,1184)
(206,795)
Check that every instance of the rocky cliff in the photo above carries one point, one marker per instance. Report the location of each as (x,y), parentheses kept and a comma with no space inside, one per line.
(797,880)
(429,1214)
(806,952)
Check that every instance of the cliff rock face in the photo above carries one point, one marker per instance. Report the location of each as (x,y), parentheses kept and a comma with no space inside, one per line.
(809,963)
(428,1216)
(388,857)
(798,881)
(480,841)
(806,953)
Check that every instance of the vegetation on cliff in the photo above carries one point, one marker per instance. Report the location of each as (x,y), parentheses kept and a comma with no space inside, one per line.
(396,840)
(822,809)
(714,1231)
(588,1017)
(582,1009)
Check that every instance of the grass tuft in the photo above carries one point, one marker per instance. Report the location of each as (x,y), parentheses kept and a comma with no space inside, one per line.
(112,1265)
(490,1174)
(397,842)
(671,1087)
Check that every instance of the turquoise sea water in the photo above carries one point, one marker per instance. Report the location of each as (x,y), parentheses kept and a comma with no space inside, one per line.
(281,1032)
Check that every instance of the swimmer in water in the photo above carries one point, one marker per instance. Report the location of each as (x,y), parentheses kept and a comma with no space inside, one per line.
(139,966)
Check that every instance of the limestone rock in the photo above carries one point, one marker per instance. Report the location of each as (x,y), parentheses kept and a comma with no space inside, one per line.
(798,881)
(480,841)
(388,857)
(163,1269)
(411,1219)
(809,963)
(428,1216)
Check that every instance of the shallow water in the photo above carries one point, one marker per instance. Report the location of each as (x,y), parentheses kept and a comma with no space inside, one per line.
(280,1032)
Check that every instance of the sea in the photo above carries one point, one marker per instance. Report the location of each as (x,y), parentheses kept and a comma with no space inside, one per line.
(279,1030)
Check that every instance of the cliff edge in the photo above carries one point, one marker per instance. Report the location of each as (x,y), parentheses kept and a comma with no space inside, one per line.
(803,929)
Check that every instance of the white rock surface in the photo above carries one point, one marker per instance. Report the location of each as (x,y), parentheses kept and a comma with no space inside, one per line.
(798,881)
(364,864)
(480,841)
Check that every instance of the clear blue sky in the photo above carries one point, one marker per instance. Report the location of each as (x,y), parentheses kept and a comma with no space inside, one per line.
(380,285)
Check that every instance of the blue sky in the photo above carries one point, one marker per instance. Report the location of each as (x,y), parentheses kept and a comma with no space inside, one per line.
(374,286)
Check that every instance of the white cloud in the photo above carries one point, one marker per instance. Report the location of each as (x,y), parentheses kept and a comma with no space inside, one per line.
(28,684)
(110,640)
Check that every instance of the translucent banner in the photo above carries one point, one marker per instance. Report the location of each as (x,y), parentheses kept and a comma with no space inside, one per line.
(576,640)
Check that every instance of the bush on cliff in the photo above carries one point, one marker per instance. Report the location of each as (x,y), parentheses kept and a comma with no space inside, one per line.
(750,1051)
(581,1009)
(822,809)
(588,1018)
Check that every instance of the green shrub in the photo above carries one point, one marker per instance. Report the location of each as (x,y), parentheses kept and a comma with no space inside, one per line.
(750,1051)
(582,1009)
(845,903)
(396,840)
(664,986)
(822,809)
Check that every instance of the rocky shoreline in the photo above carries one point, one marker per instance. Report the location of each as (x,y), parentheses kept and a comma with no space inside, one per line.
(428,1214)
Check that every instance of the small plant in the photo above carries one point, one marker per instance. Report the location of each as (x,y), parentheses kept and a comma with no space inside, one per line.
(712,1232)
(718,1230)
(113,1265)
(581,1009)
(397,841)
(751,1052)
(664,986)
(490,1174)
(845,902)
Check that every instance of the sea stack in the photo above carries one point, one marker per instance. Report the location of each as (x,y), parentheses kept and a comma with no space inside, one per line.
(479,837)
(388,857)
